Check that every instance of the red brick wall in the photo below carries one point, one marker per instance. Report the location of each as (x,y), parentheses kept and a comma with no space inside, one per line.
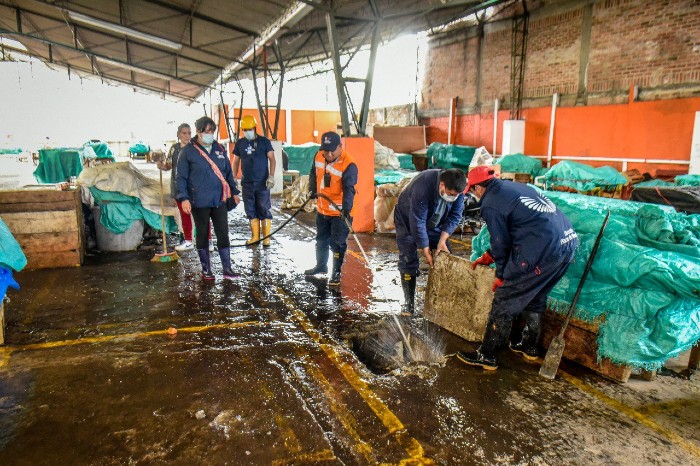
(452,74)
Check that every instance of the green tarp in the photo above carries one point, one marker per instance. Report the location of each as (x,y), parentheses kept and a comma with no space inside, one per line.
(119,211)
(392,176)
(11,255)
(10,151)
(139,148)
(653,183)
(647,299)
(688,180)
(450,156)
(406,161)
(58,165)
(519,163)
(101,149)
(583,178)
(301,157)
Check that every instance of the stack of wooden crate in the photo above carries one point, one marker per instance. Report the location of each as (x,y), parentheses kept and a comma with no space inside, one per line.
(47,224)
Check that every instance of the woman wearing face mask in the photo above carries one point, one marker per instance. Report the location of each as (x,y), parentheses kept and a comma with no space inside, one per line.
(204,183)
(257,160)
(426,214)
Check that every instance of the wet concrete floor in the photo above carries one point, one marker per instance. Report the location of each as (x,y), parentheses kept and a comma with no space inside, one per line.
(262,371)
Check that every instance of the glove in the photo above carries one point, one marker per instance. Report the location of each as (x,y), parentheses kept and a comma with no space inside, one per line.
(345,213)
(270,183)
(496,283)
(485,259)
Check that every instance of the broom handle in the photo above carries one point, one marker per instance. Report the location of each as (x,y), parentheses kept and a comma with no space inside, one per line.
(162,214)
(589,264)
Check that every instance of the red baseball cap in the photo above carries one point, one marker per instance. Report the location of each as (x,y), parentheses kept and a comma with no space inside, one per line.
(479,175)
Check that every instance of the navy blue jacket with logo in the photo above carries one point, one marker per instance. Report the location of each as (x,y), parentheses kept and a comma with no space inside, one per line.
(527,230)
(196,181)
(417,204)
(255,166)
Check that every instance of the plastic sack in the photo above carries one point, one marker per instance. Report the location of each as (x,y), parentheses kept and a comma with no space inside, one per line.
(385,157)
(481,157)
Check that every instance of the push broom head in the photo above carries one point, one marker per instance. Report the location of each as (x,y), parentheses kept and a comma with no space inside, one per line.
(166,257)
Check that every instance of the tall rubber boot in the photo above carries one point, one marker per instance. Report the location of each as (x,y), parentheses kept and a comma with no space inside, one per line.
(225,254)
(321,262)
(408,283)
(497,332)
(338,258)
(254,231)
(206,264)
(266,229)
(531,336)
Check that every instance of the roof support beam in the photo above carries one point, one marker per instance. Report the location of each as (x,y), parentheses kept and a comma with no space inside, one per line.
(338,71)
(199,16)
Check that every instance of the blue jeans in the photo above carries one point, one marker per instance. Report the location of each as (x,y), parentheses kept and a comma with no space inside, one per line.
(256,199)
(331,232)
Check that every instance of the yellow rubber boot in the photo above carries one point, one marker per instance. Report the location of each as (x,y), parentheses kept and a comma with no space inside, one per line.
(255,231)
(266,229)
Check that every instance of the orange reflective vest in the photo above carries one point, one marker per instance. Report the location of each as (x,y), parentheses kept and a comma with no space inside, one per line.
(335,189)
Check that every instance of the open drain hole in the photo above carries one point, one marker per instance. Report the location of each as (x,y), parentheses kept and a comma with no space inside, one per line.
(382,349)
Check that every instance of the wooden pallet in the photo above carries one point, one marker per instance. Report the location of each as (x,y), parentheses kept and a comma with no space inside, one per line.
(47,224)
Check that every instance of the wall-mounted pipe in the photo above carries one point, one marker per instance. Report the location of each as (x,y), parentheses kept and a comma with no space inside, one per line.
(453,111)
(555,99)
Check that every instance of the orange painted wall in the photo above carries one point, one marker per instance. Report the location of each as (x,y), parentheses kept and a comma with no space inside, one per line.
(660,129)
(362,150)
(282,130)
(304,122)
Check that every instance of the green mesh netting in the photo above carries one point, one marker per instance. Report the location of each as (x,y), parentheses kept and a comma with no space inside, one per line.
(519,163)
(583,178)
(450,156)
(644,293)
(119,211)
(392,176)
(688,180)
(406,161)
(301,157)
(11,255)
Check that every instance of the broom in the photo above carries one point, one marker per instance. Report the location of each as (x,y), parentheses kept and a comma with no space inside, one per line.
(556,347)
(166,256)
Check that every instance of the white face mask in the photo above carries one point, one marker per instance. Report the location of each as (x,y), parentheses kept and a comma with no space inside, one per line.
(447,198)
(249,134)
(207,139)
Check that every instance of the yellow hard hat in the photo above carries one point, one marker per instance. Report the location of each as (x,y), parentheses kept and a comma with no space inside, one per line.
(248,122)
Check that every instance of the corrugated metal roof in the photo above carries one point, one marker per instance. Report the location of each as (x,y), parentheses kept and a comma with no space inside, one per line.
(181,48)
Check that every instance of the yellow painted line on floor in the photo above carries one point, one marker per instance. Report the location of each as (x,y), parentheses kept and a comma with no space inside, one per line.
(104,338)
(356,255)
(633,413)
(310,458)
(388,418)
(339,409)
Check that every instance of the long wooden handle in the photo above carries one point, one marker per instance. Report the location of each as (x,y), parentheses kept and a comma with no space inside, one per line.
(162,214)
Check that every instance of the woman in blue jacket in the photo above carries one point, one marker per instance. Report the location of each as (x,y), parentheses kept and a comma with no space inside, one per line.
(204,184)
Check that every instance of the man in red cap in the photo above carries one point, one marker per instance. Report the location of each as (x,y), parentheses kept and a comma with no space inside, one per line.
(532,244)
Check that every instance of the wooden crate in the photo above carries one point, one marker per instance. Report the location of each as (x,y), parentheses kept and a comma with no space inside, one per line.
(47,224)
(582,346)
(517,177)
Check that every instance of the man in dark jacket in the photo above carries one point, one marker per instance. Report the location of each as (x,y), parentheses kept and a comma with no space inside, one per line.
(426,214)
(532,244)
(204,183)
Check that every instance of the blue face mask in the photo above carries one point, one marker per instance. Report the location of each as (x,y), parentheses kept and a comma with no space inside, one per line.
(249,134)
(207,139)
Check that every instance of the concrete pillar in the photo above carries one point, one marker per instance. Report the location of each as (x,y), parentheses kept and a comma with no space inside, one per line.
(277,147)
(695,148)
(513,137)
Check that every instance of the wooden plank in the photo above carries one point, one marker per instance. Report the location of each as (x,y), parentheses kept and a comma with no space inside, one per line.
(2,323)
(649,376)
(50,259)
(35,195)
(458,298)
(694,360)
(49,242)
(41,222)
(582,347)
(81,225)
(37,207)
(402,139)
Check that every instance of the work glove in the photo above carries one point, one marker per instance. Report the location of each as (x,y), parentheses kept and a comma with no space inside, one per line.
(270,183)
(496,283)
(345,214)
(485,259)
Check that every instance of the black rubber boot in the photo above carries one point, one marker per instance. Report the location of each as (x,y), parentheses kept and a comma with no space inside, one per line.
(321,262)
(225,254)
(497,332)
(338,258)
(206,264)
(531,336)
(408,283)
